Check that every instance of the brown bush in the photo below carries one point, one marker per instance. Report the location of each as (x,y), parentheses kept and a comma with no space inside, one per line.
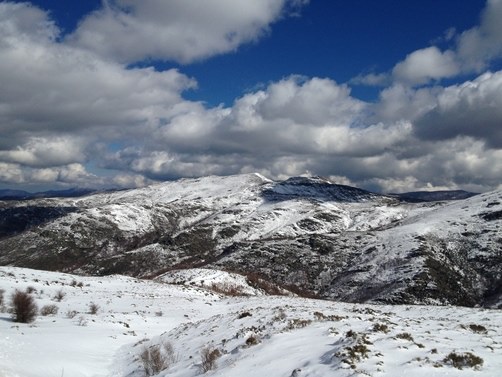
(157,358)
(228,289)
(463,360)
(59,295)
(24,308)
(209,355)
(49,310)
(93,308)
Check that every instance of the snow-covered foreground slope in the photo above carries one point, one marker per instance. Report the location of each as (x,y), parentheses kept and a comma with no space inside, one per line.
(254,335)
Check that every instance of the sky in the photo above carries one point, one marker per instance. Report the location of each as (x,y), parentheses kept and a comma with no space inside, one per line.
(385,95)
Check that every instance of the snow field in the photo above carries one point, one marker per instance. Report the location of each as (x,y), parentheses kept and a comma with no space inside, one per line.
(255,335)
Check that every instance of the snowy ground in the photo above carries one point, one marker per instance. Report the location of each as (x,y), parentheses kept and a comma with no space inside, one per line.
(255,335)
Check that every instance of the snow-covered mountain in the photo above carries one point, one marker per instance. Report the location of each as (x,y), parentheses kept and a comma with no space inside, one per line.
(330,240)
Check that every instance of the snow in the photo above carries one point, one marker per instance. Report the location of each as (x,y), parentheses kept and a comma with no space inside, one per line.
(294,336)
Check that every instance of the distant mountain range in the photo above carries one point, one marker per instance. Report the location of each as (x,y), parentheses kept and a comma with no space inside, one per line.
(305,234)
(7,194)
(414,197)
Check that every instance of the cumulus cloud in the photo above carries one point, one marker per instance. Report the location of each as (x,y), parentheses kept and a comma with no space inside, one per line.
(51,89)
(471,51)
(11,173)
(479,45)
(69,110)
(427,64)
(46,152)
(177,30)
(473,108)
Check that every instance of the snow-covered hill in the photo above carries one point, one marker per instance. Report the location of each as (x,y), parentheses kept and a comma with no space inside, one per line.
(255,335)
(330,240)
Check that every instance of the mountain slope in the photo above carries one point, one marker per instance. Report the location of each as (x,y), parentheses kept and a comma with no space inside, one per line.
(330,240)
(255,336)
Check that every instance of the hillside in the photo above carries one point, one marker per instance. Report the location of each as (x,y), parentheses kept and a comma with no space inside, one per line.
(329,240)
(255,335)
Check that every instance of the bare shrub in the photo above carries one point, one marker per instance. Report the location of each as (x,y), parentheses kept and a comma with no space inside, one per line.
(462,360)
(1,297)
(480,329)
(227,289)
(258,282)
(297,323)
(31,290)
(209,355)
(59,296)
(24,308)
(157,358)
(49,310)
(169,353)
(74,283)
(405,336)
(71,314)
(82,321)
(93,308)
(380,327)
(253,340)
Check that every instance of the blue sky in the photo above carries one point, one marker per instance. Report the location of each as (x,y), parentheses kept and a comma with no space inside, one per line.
(386,95)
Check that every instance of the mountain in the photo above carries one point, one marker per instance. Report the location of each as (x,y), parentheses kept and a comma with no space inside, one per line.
(308,235)
(8,194)
(25,195)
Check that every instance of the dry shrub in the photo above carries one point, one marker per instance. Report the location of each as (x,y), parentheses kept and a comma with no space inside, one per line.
(59,295)
(31,289)
(480,329)
(209,355)
(71,314)
(49,310)
(93,308)
(1,297)
(24,309)
(258,282)
(380,327)
(405,336)
(157,358)
(462,360)
(227,289)
(253,340)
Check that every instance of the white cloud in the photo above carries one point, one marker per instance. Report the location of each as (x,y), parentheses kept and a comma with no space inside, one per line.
(11,173)
(371,79)
(64,108)
(427,64)
(51,90)
(180,30)
(473,108)
(46,152)
(479,45)
(471,52)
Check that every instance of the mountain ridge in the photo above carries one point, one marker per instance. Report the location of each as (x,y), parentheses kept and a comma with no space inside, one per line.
(334,241)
